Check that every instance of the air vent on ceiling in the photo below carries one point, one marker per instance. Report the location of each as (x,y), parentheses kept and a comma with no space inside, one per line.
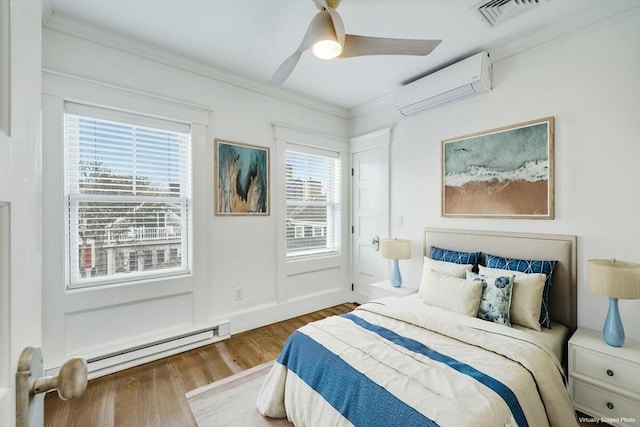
(498,11)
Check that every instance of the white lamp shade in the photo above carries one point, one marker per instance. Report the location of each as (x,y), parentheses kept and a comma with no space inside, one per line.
(395,248)
(619,279)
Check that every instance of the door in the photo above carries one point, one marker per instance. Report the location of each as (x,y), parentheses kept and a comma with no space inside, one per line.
(370,204)
(20,194)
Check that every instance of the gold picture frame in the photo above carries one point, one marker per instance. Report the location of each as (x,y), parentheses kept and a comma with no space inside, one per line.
(506,172)
(241,178)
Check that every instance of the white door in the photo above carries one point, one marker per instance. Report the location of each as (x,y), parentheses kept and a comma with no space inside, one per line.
(370,192)
(20,194)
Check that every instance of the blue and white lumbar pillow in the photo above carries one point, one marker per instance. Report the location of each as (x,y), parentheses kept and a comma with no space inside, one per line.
(495,303)
(448,255)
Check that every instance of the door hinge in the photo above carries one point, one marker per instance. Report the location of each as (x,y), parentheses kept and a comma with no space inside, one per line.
(352,172)
(353,229)
(352,287)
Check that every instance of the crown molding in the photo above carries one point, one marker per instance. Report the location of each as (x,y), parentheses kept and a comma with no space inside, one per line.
(66,25)
(373,105)
(556,30)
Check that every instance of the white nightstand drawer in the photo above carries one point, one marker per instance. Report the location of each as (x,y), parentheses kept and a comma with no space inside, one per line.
(621,410)
(608,370)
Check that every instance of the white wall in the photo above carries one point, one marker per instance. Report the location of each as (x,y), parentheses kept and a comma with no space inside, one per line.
(589,81)
(230,251)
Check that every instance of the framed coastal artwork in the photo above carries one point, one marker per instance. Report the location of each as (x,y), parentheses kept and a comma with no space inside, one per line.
(500,173)
(241,178)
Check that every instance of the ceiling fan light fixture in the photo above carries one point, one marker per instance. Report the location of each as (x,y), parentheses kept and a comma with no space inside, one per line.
(326,38)
(326,49)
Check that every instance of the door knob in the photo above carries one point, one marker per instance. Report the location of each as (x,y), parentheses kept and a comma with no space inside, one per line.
(376,243)
(70,382)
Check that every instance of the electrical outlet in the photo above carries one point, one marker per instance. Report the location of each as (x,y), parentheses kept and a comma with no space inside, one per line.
(239,293)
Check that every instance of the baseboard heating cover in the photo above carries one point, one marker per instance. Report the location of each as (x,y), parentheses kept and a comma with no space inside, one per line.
(150,351)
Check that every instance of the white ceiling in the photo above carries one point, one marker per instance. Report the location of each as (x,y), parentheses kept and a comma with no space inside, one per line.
(250,38)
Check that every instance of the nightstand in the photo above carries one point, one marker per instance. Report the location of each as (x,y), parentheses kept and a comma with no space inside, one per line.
(384,289)
(604,381)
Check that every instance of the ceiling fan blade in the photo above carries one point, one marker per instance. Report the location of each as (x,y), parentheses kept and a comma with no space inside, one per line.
(362,45)
(286,68)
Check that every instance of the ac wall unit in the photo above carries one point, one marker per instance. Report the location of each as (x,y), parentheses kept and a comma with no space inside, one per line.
(464,79)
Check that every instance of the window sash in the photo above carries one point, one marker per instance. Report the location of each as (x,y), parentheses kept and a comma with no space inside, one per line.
(128,191)
(313,204)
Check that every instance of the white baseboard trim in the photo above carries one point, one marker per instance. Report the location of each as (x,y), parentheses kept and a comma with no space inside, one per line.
(271,313)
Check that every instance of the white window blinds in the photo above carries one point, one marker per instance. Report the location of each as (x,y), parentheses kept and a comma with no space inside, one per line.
(128,185)
(313,202)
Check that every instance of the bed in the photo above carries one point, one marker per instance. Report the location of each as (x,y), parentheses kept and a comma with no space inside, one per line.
(426,359)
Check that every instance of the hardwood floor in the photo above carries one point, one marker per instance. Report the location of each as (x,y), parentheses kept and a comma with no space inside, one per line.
(154,394)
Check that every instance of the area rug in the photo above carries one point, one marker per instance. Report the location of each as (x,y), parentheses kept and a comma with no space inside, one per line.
(232,401)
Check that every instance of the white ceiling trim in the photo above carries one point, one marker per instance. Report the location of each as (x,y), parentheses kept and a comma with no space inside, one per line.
(66,25)
(606,10)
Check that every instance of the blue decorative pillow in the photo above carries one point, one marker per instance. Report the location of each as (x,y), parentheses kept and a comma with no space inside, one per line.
(495,303)
(529,266)
(456,257)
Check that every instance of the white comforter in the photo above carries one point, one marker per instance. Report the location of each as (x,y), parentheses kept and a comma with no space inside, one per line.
(397,363)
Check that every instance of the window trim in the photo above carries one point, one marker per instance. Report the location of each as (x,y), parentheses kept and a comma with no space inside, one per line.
(288,269)
(187,244)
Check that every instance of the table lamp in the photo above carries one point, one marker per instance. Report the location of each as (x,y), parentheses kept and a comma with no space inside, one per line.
(396,249)
(614,279)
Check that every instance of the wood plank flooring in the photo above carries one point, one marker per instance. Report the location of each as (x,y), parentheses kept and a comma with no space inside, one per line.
(154,394)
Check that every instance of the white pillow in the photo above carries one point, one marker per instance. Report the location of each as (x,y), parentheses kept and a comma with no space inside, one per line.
(452,293)
(526,298)
(450,268)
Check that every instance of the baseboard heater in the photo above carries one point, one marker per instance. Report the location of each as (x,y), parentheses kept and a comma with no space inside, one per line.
(154,350)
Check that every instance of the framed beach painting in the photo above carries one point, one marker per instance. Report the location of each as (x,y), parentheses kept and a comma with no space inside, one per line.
(241,178)
(500,173)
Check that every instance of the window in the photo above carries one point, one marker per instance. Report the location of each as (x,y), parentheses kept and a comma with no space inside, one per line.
(128,190)
(313,202)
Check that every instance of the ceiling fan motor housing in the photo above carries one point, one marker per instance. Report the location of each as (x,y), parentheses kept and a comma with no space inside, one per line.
(331,3)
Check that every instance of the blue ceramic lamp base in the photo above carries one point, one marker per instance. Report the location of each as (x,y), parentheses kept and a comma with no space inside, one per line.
(396,277)
(613,332)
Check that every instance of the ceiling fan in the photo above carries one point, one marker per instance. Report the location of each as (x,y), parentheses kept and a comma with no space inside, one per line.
(327,40)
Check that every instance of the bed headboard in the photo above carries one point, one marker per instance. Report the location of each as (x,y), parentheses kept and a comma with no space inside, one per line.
(563,297)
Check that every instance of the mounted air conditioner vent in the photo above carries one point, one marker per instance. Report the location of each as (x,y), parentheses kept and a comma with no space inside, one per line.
(464,79)
(498,11)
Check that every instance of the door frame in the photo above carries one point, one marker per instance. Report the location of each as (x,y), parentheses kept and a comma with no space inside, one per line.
(20,192)
(380,138)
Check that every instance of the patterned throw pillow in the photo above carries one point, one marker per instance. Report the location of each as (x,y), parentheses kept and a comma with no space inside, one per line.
(529,266)
(457,257)
(495,303)
(526,298)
